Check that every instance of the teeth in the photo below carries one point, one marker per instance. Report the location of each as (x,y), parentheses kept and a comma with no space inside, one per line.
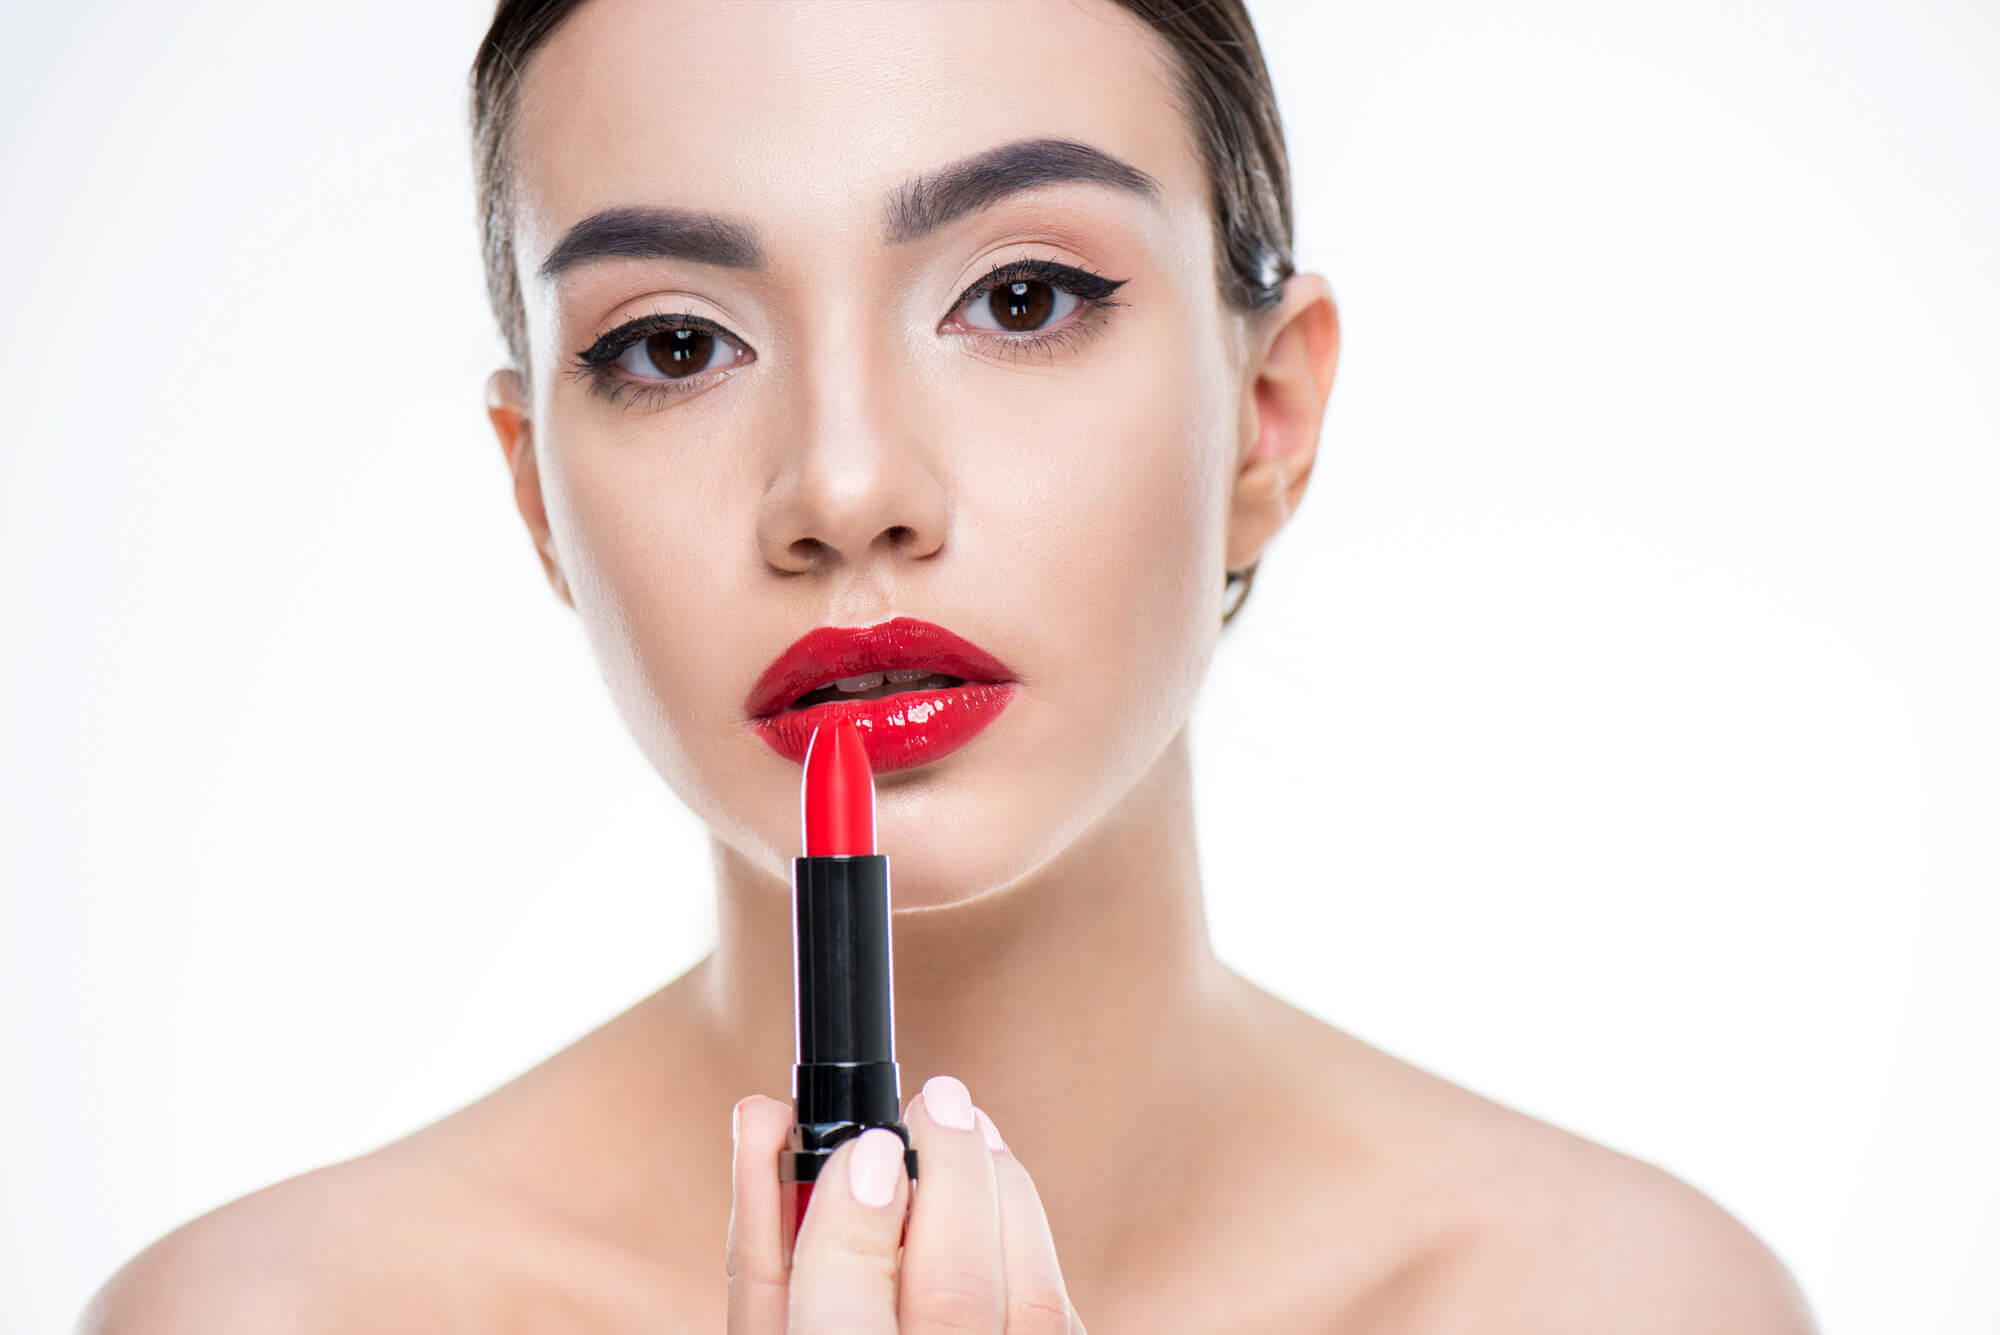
(871,684)
(867,681)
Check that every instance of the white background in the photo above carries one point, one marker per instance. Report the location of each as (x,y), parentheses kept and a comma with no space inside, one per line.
(1613,732)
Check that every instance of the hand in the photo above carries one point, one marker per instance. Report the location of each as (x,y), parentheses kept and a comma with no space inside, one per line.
(978,1256)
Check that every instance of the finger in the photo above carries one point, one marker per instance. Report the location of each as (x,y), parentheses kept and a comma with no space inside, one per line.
(1037,1298)
(953,1275)
(844,1267)
(756,1256)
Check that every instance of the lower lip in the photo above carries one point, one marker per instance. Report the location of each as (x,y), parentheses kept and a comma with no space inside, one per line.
(899,731)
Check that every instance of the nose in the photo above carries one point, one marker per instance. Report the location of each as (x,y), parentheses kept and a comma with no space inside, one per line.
(858,486)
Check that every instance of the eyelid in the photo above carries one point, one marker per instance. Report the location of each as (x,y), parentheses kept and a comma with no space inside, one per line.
(611,346)
(1089,287)
(594,365)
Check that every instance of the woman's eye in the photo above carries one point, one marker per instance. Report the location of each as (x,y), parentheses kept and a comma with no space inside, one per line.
(1034,307)
(673,354)
(1021,306)
(657,358)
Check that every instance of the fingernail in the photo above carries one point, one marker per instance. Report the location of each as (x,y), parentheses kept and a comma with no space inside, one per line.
(736,1120)
(871,1171)
(990,1131)
(948,1102)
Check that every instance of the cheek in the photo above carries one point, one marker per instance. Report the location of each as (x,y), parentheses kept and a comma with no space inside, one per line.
(640,568)
(1115,523)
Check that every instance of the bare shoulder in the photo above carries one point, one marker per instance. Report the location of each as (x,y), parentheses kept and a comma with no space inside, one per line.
(528,1209)
(1501,1222)
(1608,1242)
(382,1243)
(269,1261)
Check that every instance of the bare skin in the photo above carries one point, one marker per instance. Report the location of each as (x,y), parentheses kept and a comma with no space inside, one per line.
(1209,1157)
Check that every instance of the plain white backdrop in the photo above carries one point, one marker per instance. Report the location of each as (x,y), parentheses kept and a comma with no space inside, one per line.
(1613,731)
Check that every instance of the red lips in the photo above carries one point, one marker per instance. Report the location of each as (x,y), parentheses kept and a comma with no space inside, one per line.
(909,727)
(821,655)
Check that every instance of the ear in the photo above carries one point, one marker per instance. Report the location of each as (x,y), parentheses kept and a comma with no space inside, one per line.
(507,409)
(1294,348)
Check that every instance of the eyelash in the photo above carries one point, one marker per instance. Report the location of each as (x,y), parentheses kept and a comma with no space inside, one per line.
(595,363)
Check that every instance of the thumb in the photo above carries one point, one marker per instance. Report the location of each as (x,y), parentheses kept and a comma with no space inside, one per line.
(845,1263)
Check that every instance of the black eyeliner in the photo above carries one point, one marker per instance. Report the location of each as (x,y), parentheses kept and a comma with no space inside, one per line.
(610,347)
(1077,282)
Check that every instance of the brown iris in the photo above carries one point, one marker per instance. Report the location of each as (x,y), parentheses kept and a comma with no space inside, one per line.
(1021,305)
(681,352)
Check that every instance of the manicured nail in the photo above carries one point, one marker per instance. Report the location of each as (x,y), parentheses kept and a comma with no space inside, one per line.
(990,1131)
(872,1169)
(948,1102)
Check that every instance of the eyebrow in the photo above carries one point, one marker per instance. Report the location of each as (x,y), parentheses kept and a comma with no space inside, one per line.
(910,212)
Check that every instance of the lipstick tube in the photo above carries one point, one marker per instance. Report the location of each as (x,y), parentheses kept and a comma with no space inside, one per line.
(844,1074)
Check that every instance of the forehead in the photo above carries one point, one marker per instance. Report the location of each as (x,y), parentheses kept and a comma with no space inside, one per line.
(804,114)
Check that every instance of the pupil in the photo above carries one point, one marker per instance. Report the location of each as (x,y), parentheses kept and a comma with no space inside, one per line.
(680,352)
(1023,304)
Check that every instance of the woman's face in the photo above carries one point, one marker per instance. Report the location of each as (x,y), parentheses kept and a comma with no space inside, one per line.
(856,442)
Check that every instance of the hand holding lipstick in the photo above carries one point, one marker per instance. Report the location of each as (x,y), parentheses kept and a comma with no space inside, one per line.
(978,1254)
(827,1232)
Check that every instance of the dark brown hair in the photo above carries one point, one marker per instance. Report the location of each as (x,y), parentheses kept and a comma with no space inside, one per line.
(1226,101)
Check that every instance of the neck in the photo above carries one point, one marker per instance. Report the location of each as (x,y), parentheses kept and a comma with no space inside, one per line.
(1074,1003)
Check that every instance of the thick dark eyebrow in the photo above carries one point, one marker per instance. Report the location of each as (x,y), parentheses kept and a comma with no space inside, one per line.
(911,211)
(655,234)
(925,204)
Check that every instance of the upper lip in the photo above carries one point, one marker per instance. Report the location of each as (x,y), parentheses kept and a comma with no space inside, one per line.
(830,652)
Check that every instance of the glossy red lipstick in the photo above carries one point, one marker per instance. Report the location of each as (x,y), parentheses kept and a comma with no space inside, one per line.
(943,691)
(844,1077)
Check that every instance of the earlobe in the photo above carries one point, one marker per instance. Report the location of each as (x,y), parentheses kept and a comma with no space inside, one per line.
(1291,377)
(507,410)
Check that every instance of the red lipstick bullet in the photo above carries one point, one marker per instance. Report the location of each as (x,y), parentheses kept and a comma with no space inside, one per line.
(844,1076)
(837,796)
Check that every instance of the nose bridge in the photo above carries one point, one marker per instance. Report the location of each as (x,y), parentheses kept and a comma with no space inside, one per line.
(854,467)
(843,342)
